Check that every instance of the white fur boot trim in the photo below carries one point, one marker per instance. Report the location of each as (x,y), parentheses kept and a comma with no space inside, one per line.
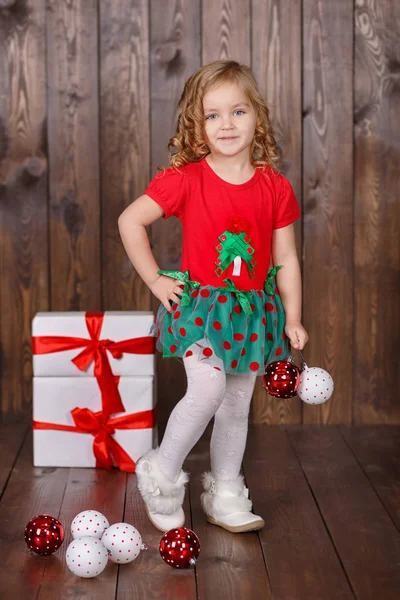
(226,503)
(163,497)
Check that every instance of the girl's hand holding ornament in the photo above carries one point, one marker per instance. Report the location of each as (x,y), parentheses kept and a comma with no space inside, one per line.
(296,333)
(284,379)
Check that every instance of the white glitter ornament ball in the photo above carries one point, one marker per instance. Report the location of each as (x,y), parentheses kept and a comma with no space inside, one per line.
(123,542)
(86,557)
(315,386)
(89,523)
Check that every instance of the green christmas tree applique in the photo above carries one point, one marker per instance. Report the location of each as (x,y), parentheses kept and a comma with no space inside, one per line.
(235,246)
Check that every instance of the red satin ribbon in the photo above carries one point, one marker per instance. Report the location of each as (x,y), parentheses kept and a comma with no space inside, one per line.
(95,349)
(105,447)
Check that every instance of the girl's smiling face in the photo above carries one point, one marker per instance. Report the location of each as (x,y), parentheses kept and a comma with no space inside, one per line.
(229,120)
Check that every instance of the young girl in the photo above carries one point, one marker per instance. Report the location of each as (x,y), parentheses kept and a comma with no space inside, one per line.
(222,314)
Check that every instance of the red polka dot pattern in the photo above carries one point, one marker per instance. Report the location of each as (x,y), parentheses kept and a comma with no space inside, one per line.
(262,336)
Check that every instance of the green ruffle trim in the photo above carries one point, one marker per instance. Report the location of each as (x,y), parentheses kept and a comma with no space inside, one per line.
(243,296)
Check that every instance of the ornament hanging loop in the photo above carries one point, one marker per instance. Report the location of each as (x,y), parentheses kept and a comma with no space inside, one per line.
(291,359)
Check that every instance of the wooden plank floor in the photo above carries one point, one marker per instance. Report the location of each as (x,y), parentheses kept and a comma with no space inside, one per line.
(329,496)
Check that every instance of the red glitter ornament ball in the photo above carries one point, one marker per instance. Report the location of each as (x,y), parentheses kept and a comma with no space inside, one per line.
(44,534)
(281,379)
(180,548)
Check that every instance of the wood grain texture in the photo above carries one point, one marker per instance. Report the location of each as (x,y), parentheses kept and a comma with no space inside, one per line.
(328,496)
(125,141)
(175,55)
(73,115)
(378,451)
(226,31)
(11,440)
(302,562)
(361,530)
(23,199)
(30,491)
(377,214)
(328,200)
(89,94)
(276,64)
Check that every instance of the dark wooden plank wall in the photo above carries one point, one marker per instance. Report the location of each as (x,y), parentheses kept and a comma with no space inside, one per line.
(327,199)
(89,96)
(24,222)
(376,212)
(175,52)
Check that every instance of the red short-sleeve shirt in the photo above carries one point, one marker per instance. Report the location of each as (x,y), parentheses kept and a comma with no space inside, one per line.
(205,203)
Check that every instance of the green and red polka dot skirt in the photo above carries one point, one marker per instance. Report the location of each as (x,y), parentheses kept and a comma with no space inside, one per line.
(225,337)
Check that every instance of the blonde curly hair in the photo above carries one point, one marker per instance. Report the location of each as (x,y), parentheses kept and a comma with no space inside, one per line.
(189,140)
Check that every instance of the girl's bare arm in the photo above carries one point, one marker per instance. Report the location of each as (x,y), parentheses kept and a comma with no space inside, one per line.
(132,224)
(289,283)
(289,277)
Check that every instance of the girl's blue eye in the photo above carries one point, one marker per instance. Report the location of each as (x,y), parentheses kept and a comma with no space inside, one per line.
(213,114)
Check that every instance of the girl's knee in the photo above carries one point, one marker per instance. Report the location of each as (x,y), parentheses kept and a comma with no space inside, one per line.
(209,382)
(217,388)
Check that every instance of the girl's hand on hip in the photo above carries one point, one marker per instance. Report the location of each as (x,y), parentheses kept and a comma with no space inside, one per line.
(166,289)
(296,333)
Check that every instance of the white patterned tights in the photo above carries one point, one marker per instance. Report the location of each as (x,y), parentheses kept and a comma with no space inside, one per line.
(209,392)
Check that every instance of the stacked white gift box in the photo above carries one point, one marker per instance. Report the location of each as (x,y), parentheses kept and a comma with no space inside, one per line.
(94,389)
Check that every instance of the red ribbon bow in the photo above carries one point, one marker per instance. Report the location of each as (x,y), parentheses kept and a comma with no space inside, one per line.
(95,349)
(105,447)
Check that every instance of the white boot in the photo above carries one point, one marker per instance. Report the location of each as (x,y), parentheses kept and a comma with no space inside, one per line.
(163,498)
(227,504)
